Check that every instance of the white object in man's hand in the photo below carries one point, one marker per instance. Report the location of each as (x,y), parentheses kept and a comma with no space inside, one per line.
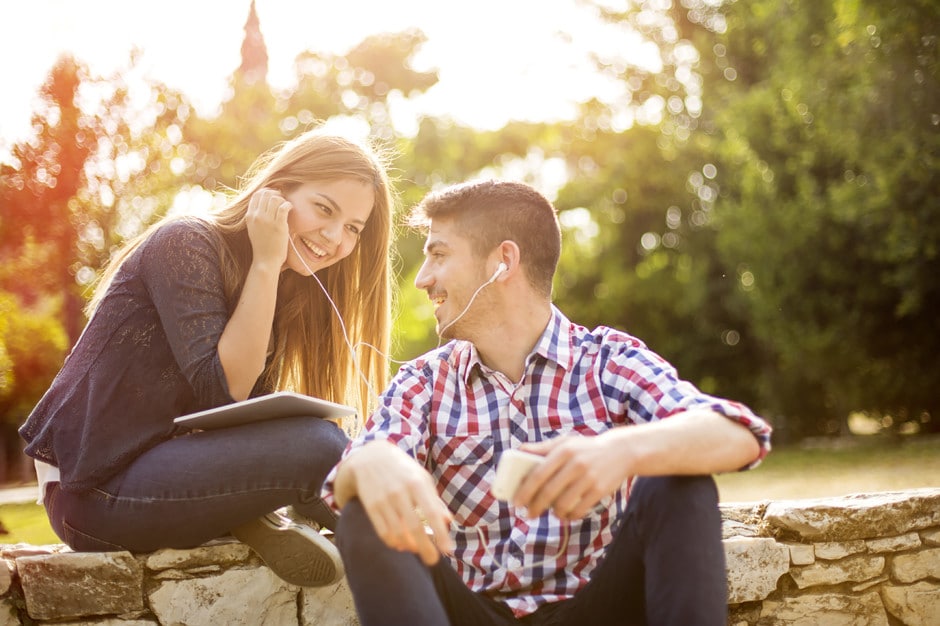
(513,467)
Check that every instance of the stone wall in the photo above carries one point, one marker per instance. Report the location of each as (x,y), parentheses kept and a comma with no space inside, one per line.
(866,559)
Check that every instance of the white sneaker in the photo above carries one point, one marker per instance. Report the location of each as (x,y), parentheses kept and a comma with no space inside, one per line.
(294,551)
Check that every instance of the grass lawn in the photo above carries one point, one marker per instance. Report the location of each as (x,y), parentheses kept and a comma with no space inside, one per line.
(863,464)
(838,468)
(26,523)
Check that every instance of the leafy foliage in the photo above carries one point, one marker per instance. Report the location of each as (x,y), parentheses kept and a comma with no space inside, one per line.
(828,144)
(33,340)
(759,204)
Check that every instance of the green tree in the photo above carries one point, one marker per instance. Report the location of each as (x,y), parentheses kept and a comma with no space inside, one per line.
(639,254)
(827,135)
(805,135)
(89,176)
(135,175)
(47,172)
(358,85)
(33,343)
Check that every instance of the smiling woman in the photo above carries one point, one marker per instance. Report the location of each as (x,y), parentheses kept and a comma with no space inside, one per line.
(199,312)
(325,221)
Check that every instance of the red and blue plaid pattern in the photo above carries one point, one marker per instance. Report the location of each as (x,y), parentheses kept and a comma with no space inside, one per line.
(456,417)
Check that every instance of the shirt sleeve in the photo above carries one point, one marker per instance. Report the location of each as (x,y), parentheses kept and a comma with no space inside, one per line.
(649,389)
(180,268)
(401,419)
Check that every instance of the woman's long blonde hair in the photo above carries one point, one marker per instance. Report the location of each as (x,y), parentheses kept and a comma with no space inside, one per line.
(311,355)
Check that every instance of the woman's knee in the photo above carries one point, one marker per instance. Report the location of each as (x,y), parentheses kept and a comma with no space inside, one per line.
(311,443)
(322,430)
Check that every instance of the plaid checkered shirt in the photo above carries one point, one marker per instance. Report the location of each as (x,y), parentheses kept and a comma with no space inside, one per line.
(456,417)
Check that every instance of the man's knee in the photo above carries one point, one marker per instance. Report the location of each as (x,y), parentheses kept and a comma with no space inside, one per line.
(355,532)
(682,494)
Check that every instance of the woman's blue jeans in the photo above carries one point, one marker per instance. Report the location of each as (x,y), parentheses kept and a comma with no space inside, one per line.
(198,486)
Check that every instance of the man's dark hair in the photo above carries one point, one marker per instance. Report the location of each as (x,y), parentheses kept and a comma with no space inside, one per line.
(490,212)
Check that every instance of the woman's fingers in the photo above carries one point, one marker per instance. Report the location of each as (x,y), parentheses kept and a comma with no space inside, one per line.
(267,224)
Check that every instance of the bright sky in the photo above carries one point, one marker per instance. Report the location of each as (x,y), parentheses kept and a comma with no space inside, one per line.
(497,59)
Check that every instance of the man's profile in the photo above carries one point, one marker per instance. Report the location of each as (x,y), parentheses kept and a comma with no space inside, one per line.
(619,521)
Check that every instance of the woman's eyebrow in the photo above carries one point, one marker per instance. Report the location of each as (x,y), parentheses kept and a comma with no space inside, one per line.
(336,207)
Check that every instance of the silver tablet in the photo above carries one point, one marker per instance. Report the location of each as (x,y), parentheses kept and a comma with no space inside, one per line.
(271,406)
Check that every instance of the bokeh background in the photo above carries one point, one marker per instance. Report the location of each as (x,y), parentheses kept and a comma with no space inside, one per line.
(751,187)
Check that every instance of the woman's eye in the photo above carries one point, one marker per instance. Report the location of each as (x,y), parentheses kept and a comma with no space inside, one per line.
(326,209)
(354,230)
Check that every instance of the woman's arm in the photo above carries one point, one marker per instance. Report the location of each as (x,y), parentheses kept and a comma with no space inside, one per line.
(243,346)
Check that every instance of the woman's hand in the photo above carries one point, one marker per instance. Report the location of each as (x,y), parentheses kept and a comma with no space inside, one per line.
(267,227)
(244,342)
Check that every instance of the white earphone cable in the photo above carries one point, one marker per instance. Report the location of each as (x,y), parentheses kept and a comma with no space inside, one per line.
(440,333)
(352,352)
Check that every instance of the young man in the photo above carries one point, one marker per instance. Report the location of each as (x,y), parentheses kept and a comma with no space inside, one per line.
(571,547)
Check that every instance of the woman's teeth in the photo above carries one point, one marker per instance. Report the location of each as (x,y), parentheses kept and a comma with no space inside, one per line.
(317,251)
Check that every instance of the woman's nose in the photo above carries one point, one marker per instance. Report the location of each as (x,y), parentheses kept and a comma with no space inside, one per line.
(329,232)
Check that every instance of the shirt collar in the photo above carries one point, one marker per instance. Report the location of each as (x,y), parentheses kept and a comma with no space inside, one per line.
(555,344)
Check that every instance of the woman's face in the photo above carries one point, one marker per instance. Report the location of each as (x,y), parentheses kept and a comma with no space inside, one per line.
(325,222)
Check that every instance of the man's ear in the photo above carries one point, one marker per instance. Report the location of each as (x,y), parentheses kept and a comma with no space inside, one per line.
(508,257)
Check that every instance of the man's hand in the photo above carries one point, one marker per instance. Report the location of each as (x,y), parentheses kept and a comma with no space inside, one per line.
(577,473)
(400,498)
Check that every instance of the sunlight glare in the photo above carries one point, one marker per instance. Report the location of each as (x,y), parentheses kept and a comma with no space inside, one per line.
(497,61)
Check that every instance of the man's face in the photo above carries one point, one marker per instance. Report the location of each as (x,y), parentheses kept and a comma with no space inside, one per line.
(450,275)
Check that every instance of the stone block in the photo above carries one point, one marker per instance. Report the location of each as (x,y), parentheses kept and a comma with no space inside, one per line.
(732,528)
(16,550)
(69,585)
(859,516)
(855,569)
(835,550)
(802,553)
(753,567)
(830,609)
(112,621)
(909,541)
(909,568)
(749,513)
(931,537)
(6,575)
(913,605)
(221,554)
(237,597)
(328,606)
(868,584)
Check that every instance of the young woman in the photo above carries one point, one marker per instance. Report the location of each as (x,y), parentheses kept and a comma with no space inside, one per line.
(198,313)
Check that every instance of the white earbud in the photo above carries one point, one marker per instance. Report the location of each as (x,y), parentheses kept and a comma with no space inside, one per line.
(502,267)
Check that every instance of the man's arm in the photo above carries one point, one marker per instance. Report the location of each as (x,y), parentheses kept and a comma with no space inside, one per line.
(399,496)
(579,471)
